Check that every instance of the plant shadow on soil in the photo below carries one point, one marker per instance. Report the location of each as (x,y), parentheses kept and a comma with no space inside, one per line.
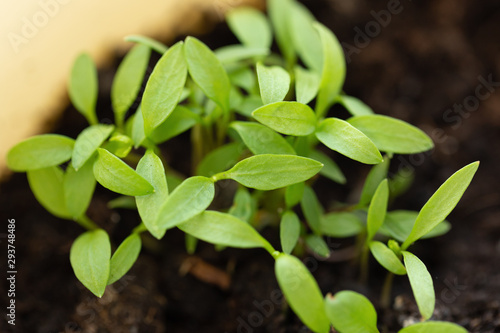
(426,61)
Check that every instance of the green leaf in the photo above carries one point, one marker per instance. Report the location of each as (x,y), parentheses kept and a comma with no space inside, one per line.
(244,78)
(164,88)
(220,159)
(399,223)
(351,312)
(334,68)
(268,172)
(179,121)
(39,152)
(250,26)
(153,44)
(207,71)
(421,284)
(279,12)
(340,224)
(261,139)
(123,202)
(387,258)
(392,135)
(83,87)
(244,205)
(231,54)
(306,40)
(89,256)
(375,176)
(128,80)
(433,327)
(302,292)
(377,209)
(330,169)
(119,145)
(78,188)
(290,118)
(441,203)
(115,175)
(190,198)
(318,245)
(151,169)
(312,209)
(274,83)
(224,229)
(306,85)
(248,105)
(355,106)
(124,258)
(87,143)
(289,231)
(340,136)
(293,194)
(138,135)
(47,185)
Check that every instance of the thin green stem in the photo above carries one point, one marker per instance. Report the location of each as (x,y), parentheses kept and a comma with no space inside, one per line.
(363,264)
(385,296)
(86,223)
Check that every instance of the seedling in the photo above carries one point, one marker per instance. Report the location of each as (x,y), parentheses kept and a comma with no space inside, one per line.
(251,119)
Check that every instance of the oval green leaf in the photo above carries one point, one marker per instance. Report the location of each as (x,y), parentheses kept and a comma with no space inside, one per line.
(128,80)
(392,135)
(374,178)
(421,284)
(164,88)
(207,71)
(302,292)
(355,106)
(151,169)
(261,139)
(312,209)
(293,194)
(399,223)
(224,229)
(340,224)
(289,231)
(89,256)
(334,68)
(87,143)
(232,54)
(39,152)
(441,203)
(377,209)
(274,83)
(250,26)
(83,87)
(351,312)
(47,185)
(153,44)
(244,205)
(387,258)
(220,159)
(178,122)
(318,245)
(268,172)
(330,169)
(78,188)
(433,327)
(306,85)
(115,175)
(124,257)
(340,136)
(189,199)
(291,118)
(279,12)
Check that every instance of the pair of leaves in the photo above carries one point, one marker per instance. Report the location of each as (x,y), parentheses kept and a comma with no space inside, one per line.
(90,257)
(268,172)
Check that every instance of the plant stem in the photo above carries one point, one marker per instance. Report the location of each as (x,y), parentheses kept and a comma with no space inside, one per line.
(385,296)
(86,223)
(363,264)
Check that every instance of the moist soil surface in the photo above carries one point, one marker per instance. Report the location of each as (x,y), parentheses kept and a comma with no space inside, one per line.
(434,64)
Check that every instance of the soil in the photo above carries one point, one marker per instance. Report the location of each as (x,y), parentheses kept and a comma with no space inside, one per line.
(424,66)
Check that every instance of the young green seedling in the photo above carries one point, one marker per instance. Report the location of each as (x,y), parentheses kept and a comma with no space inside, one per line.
(250,116)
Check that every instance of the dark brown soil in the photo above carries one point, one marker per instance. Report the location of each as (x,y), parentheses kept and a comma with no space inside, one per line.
(421,67)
